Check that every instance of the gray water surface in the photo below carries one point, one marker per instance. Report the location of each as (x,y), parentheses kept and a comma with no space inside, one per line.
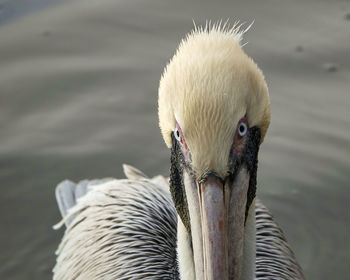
(78,97)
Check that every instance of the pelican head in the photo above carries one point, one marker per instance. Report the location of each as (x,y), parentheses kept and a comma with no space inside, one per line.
(214,111)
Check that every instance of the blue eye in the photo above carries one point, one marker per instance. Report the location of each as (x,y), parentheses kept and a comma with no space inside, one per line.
(242,129)
(177,134)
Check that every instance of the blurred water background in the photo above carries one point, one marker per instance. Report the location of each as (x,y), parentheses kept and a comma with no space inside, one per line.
(78,97)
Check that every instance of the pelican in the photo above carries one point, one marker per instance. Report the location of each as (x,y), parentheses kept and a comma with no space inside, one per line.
(205,221)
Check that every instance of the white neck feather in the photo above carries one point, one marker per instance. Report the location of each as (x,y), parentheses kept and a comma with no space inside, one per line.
(249,249)
(185,256)
(184,253)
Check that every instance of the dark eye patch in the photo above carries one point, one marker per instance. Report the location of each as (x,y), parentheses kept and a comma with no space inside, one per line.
(177,187)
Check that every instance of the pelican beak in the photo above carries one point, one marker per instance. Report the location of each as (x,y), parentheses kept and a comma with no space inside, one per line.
(214,228)
(222,209)
(213,211)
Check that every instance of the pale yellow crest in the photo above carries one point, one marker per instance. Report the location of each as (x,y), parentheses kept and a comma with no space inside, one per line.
(207,87)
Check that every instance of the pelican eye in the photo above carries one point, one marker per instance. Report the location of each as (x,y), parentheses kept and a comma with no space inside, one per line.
(177,134)
(242,129)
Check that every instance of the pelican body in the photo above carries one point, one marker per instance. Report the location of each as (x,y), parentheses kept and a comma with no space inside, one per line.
(206,223)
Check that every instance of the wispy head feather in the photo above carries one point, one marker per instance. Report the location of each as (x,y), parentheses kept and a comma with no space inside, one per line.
(235,30)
